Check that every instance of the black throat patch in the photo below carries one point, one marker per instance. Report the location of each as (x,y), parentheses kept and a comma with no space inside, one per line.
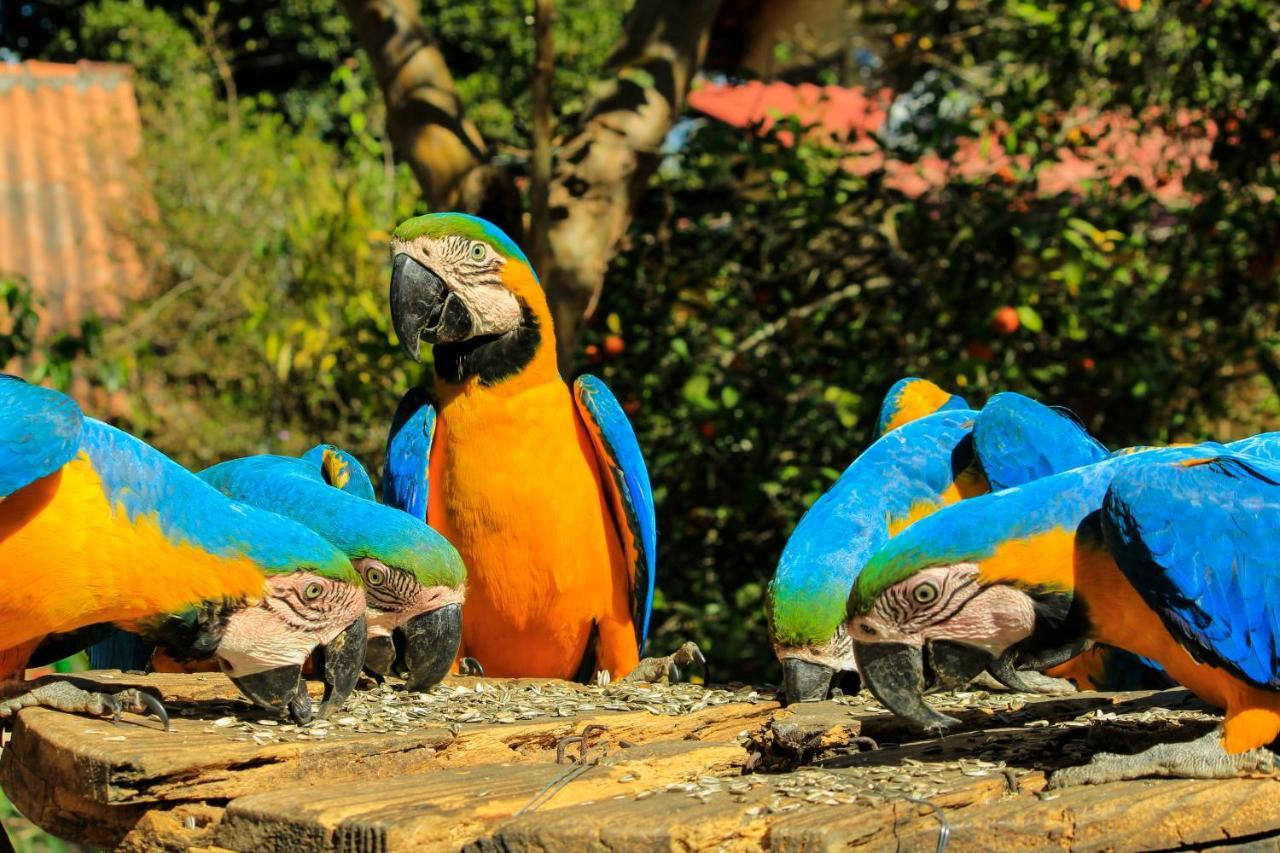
(195,633)
(492,358)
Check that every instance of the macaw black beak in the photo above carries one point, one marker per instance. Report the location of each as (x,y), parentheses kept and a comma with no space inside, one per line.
(380,655)
(805,681)
(956,664)
(340,661)
(431,644)
(280,690)
(422,308)
(894,672)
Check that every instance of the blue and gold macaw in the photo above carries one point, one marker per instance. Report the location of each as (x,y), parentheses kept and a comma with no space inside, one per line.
(1167,553)
(925,462)
(910,399)
(126,536)
(912,471)
(1019,440)
(341,470)
(414,579)
(542,488)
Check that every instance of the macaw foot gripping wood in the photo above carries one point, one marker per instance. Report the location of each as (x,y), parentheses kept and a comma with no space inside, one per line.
(504,765)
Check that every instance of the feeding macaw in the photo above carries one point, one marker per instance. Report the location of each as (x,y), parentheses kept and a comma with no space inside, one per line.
(414,579)
(910,399)
(1166,553)
(341,470)
(543,490)
(1019,440)
(905,475)
(127,536)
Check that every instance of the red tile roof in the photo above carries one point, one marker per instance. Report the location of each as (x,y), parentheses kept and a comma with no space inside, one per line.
(71,135)
(1155,149)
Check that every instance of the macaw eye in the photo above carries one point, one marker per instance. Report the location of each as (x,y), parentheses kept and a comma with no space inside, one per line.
(312,591)
(925,593)
(375,576)
(477,252)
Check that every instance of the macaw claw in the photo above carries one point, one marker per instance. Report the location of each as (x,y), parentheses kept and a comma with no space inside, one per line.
(666,670)
(470,666)
(1202,758)
(68,697)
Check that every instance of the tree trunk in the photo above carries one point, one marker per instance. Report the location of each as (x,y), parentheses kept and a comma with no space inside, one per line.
(540,171)
(603,168)
(425,117)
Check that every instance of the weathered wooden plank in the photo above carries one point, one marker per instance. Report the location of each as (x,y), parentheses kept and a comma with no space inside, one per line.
(449,808)
(428,783)
(1165,814)
(85,779)
(130,764)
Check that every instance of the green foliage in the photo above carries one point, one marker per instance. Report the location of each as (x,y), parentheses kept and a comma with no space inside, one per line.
(50,359)
(489,48)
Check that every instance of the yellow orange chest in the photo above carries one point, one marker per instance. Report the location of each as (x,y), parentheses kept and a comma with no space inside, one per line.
(68,559)
(515,485)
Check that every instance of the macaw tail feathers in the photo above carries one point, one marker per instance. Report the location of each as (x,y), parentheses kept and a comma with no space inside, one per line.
(120,650)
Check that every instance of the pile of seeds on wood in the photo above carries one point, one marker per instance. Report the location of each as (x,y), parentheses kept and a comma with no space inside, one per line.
(387,709)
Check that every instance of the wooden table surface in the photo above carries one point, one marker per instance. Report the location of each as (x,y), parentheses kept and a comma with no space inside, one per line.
(742,774)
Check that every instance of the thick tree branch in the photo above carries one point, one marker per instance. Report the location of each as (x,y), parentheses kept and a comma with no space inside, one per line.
(602,169)
(540,173)
(425,117)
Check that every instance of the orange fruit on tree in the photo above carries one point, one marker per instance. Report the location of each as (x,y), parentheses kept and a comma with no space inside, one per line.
(1005,320)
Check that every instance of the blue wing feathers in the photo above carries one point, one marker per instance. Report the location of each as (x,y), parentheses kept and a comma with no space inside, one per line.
(39,432)
(616,442)
(406,469)
(1198,544)
(1019,440)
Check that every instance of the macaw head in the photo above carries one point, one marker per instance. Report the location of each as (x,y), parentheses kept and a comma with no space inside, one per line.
(459,283)
(316,608)
(312,604)
(987,583)
(415,584)
(413,579)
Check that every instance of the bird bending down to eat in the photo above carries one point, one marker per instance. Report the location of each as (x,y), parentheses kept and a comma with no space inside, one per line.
(1018,440)
(414,579)
(542,489)
(1167,553)
(908,473)
(97,527)
(910,399)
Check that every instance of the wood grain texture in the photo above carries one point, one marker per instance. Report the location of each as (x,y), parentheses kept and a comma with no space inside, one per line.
(663,782)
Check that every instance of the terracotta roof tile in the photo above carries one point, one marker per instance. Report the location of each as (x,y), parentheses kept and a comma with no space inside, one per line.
(70,135)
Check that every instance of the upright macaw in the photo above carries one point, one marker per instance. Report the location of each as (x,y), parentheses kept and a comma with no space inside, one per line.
(905,475)
(414,579)
(125,535)
(1166,553)
(910,399)
(544,491)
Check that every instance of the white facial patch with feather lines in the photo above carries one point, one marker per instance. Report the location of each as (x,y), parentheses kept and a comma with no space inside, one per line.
(471,271)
